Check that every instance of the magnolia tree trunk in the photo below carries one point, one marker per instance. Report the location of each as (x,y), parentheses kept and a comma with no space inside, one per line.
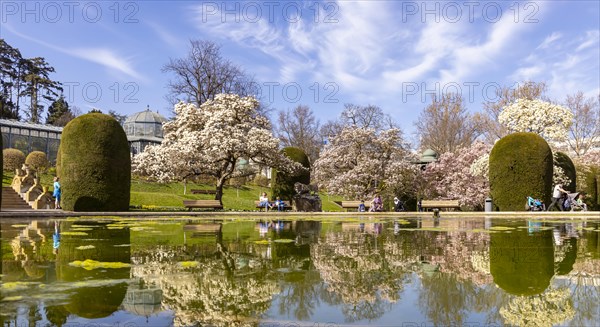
(219,193)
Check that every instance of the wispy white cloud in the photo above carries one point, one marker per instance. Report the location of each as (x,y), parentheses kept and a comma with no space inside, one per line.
(567,67)
(370,52)
(104,56)
(549,40)
(162,33)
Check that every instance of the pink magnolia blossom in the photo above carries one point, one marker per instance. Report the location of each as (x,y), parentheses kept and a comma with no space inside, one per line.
(452,176)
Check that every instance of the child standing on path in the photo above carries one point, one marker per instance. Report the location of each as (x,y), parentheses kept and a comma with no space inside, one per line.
(57,193)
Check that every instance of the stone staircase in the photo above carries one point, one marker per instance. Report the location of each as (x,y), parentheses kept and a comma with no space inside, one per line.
(11,200)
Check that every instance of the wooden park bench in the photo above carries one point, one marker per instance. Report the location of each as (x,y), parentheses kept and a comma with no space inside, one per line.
(440,204)
(352,204)
(204,191)
(204,204)
(287,205)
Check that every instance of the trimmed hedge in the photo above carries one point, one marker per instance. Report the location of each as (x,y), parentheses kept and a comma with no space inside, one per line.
(563,161)
(94,301)
(520,166)
(95,164)
(592,179)
(2,172)
(282,184)
(522,264)
(38,161)
(12,159)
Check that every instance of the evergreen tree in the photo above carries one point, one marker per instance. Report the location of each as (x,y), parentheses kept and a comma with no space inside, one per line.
(120,118)
(56,110)
(11,80)
(38,85)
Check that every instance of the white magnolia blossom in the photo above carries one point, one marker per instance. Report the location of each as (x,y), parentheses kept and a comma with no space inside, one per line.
(212,140)
(481,166)
(551,308)
(357,161)
(559,176)
(550,121)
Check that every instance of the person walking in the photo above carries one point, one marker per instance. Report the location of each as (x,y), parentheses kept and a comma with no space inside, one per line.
(57,193)
(556,197)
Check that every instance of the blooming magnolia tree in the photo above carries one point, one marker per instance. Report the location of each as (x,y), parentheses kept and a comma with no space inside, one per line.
(550,121)
(460,175)
(211,141)
(356,162)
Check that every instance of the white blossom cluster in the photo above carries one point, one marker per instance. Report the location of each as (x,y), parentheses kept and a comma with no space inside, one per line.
(548,309)
(481,166)
(559,176)
(550,121)
(358,161)
(211,140)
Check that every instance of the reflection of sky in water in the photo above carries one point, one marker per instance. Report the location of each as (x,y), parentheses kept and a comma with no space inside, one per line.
(348,271)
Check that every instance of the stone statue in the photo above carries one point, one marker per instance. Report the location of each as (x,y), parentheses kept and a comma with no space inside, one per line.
(306,189)
(307,198)
(34,191)
(28,180)
(44,200)
(16,182)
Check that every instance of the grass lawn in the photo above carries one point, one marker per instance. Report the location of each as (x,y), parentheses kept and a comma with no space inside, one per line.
(169,196)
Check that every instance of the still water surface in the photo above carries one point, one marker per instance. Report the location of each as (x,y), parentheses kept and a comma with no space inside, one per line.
(332,272)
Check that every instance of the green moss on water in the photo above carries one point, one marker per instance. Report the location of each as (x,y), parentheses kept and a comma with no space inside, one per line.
(262,242)
(16,286)
(479,230)
(85,226)
(501,228)
(85,247)
(283,240)
(189,264)
(74,233)
(93,264)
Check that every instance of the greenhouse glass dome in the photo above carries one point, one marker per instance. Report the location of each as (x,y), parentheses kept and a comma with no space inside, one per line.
(144,128)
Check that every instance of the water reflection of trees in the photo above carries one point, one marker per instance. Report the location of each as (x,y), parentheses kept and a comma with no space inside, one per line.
(231,280)
(53,289)
(211,285)
(364,273)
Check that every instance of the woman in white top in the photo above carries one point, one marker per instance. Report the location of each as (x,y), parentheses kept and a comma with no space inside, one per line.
(264,201)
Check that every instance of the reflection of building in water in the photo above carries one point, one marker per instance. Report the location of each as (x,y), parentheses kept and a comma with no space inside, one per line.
(142,301)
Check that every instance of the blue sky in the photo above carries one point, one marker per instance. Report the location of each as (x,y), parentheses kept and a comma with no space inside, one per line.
(319,53)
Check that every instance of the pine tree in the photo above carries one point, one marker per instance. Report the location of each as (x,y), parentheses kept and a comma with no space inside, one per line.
(56,110)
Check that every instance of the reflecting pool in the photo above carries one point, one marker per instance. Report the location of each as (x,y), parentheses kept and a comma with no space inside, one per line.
(326,272)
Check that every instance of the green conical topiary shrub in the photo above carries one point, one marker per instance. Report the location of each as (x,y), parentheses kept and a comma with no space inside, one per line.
(95,164)
(563,161)
(282,184)
(2,165)
(520,166)
(521,263)
(592,179)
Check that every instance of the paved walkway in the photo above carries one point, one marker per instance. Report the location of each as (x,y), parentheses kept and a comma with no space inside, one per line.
(37,214)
